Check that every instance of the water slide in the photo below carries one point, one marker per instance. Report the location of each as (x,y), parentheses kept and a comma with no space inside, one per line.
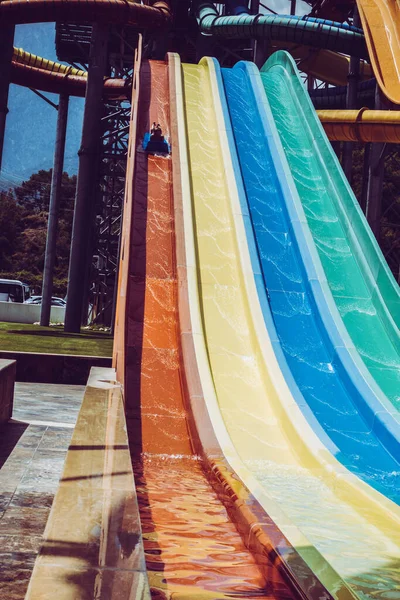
(320,371)
(33,71)
(360,281)
(311,40)
(303,487)
(381,24)
(192,548)
(217,379)
(380,21)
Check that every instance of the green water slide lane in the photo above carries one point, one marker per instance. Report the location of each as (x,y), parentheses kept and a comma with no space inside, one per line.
(365,292)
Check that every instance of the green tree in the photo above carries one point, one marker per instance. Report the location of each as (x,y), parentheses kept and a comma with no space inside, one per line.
(23,230)
(10,217)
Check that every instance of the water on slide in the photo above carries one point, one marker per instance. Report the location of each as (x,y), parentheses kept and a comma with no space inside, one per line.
(373,332)
(301,332)
(192,549)
(360,552)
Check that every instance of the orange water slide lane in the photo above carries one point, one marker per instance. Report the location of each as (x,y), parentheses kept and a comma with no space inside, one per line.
(192,548)
(381,23)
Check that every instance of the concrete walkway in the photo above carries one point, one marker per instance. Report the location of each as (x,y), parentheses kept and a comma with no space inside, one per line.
(32,452)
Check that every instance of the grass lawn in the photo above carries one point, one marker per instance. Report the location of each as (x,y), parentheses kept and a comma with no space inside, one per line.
(52,340)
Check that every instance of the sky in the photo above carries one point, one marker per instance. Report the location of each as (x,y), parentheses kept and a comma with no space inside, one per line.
(31,122)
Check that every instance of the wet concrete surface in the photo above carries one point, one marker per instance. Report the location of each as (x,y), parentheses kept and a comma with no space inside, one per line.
(32,453)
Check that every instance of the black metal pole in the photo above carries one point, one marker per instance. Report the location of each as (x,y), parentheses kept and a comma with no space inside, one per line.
(292,7)
(375,177)
(55,193)
(254,10)
(87,179)
(351,102)
(115,291)
(254,7)
(364,187)
(6,52)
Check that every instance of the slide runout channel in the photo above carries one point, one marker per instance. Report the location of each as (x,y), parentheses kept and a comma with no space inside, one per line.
(249,396)
(364,290)
(192,549)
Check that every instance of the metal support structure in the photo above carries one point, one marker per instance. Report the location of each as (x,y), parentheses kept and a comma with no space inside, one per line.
(351,102)
(45,98)
(89,154)
(115,132)
(375,178)
(292,7)
(110,198)
(55,194)
(337,148)
(259,47)
(6,52)
(364,188)
(261,52)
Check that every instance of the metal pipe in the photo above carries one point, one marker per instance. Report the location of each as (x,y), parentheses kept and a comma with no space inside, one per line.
(55,195)
(351,102)
(254,10)
(292,7)
(6,52)
(87,179)
(362,125)
(375,179)
(364,187)
(289,29)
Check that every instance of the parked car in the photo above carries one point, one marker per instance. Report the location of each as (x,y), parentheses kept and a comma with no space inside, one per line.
(54,301)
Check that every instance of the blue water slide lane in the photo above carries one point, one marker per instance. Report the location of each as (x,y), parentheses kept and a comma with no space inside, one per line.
(338,401)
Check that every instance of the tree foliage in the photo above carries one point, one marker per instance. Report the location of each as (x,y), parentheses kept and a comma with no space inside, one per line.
(23,230)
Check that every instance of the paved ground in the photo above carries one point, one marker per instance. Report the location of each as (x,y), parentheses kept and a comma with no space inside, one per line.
(32,453)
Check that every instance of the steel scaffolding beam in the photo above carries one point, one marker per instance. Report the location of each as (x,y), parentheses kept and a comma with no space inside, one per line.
(55,194)
(351,102)
(89,155)
(115,125)
(111,183)
(6,52)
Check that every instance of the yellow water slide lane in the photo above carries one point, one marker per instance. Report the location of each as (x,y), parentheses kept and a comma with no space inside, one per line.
(381,23)
(347,533)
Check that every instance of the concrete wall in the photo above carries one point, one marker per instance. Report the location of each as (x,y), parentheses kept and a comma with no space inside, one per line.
(7,379)
(14,312)
(54,368)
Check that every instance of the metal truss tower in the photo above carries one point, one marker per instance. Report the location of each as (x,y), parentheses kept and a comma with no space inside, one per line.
(73,43)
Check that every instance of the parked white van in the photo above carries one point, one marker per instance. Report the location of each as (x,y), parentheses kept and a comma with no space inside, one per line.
(12,290)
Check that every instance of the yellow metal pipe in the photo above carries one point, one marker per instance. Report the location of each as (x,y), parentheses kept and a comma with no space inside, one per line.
(361,125)
(26,58)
